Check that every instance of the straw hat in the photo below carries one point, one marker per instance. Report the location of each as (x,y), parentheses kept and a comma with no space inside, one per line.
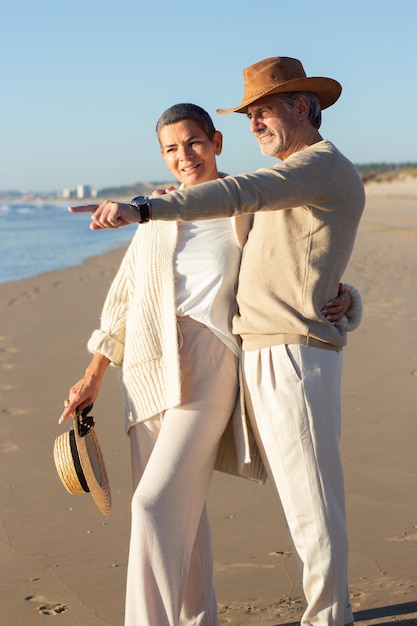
(79,461)
(279,75)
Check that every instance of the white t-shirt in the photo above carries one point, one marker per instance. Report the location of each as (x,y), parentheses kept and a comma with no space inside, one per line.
(206,266)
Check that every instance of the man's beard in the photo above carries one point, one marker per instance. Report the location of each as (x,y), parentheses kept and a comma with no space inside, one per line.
(270,148)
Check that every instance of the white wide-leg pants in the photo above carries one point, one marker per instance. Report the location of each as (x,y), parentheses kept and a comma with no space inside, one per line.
(170,568)
(295,396)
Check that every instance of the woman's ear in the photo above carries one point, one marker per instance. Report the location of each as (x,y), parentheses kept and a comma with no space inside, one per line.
(217,142)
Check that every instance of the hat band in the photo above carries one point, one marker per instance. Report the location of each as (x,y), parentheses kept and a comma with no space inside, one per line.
(77,463)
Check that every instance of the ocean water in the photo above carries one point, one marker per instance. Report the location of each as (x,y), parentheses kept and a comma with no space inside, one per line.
(40,237)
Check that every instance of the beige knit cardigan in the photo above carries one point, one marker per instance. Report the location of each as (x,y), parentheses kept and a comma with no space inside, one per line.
(138,333)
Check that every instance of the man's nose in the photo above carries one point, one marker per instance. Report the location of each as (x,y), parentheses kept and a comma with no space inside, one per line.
(256,124)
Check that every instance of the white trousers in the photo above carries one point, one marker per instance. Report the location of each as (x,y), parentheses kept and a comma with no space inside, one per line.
(294,392)
(170,568)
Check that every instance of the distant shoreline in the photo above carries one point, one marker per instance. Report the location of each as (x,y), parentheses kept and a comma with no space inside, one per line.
(398,186)
(120,195)
(401,175)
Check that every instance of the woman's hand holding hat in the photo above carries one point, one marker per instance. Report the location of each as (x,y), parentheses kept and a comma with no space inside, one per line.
(86,390)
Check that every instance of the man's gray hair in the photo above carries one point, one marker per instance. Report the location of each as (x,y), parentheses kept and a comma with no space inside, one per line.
(314,114)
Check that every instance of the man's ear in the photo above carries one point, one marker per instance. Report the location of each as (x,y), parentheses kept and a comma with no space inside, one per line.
(302,107)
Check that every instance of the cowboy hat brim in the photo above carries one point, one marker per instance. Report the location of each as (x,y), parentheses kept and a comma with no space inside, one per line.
(327,91)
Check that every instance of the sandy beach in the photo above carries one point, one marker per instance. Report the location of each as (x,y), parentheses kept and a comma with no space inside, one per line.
(63,562)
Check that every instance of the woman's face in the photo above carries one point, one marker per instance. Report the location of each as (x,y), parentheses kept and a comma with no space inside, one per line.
(189,154)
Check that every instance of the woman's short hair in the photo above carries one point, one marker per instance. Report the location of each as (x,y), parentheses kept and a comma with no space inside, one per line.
(186,111)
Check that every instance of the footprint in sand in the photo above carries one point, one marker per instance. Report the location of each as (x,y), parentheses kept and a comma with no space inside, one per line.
(8,411)
(52,609)
(356,599)
(7,366)
(405,536)
(25,295)
(8,447)
(4,354)
(10,350)
(280,553)
(47,608)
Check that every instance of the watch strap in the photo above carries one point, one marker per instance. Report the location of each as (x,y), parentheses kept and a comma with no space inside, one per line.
(142,204)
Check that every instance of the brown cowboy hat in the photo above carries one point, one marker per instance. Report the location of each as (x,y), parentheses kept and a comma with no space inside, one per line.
(79,461)
(280,75)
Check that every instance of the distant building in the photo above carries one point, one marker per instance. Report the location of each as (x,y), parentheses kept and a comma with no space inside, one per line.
(83,191)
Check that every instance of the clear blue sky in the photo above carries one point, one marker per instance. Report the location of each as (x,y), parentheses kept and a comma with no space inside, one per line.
(84,81)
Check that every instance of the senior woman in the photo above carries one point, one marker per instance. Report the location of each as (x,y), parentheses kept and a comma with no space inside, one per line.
(166,323)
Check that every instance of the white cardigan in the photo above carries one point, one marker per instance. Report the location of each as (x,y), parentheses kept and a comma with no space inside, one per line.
(138,333)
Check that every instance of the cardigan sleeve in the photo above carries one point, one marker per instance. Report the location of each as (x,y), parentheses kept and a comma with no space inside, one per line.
(109,339)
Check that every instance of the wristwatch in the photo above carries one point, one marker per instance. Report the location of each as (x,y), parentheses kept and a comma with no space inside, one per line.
(142,204)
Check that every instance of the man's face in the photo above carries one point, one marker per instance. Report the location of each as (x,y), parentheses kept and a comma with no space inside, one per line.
(274,126)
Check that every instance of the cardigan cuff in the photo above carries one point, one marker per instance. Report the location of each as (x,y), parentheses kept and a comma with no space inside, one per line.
(106,345)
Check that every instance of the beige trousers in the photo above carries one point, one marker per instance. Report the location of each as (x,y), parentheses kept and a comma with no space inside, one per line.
(295,405)
(170,568)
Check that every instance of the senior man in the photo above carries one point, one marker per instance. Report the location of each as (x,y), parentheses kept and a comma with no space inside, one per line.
(306,213)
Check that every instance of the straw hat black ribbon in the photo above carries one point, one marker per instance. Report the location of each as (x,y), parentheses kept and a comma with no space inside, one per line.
(79,461)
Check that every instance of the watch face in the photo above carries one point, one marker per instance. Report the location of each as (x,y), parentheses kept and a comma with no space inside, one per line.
(139,200)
